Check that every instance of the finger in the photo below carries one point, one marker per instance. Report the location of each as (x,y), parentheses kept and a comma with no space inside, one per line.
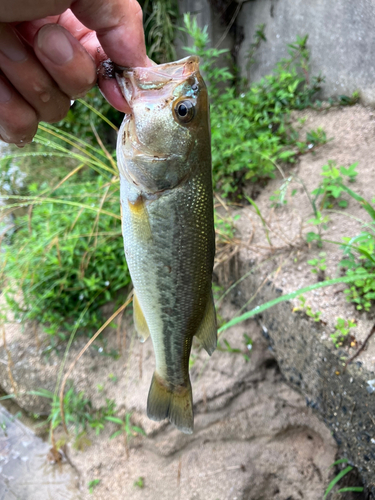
(27,10)
(18,120)
(28,76)
(29,29)
(65,59)
(118,23)
(119,27)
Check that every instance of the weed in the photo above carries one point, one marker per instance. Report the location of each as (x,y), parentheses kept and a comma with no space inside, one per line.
(318,265)
(331,187)
(112,377)
(230,349)
(306,308)
(339,476)
(224,227)
(314,139)
(321,221)
(93,484)
(160,18)
(258,39)
(192,360)
(140,482)
(359,260)
(77,410)
(342,331)
(127,429)
(283,298)
(66,255)
(98,418)
(250,125)
(249,346)
(278,198)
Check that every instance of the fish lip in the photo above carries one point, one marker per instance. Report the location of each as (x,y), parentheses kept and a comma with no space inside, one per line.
(175,70)
(133,80)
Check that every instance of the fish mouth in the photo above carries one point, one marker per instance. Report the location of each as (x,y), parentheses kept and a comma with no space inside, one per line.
(133,81)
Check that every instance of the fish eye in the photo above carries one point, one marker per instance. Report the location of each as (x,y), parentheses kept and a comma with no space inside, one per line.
(185,111)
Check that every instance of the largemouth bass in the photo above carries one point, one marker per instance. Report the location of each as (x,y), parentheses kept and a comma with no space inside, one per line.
(164,158)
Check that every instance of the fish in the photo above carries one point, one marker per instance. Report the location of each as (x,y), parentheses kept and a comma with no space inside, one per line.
(164,161)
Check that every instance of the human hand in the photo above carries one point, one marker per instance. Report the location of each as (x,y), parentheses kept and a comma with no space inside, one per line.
(49,54)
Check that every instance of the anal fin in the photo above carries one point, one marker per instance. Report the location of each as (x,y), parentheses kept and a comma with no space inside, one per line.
(140,323)
(174,403)
(207,331)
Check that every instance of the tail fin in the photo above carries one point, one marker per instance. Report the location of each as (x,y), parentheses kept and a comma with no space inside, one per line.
(176,404)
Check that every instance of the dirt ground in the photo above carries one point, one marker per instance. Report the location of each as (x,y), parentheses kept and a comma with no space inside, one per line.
(254,438)
(351,131)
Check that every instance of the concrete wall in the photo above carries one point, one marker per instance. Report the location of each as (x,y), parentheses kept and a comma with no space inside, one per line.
(341,38)
(206,16)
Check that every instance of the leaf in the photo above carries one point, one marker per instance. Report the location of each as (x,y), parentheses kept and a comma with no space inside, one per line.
(334,481)
(289,296)
(116,420)
(355,489)
(115,434)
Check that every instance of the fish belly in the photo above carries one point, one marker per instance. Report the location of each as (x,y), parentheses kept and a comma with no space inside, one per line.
(169,247)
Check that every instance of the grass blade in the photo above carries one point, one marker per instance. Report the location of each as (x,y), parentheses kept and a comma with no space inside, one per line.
(91,108)
(336,479)
(355,489)
(365,204)
(264,223)
(34,200)
(289,296)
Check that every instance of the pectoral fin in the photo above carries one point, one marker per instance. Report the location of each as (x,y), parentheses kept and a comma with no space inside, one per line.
(207,332)
(140,323)
(139,218)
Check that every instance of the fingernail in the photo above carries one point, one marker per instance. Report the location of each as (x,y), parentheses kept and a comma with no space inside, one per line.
(55,45)
(10,45)
(5,93)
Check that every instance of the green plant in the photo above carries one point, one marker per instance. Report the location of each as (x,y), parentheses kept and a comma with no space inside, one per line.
(259,37)
(278,198)
(339,476)
(320,221)
(263,307)
(342,330)
(127,429)
(66,254)
(314,139)
(93,484)
(251,129)
(331,187)
(306,308)
(160,18)
(112,377)
(230,349)
(224,226)
(359,259)
(140,482)
(97,418)
(78,410)
(65,260)
(319,264)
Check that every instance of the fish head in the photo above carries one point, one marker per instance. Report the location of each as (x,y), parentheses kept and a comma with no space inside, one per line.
(169,119)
